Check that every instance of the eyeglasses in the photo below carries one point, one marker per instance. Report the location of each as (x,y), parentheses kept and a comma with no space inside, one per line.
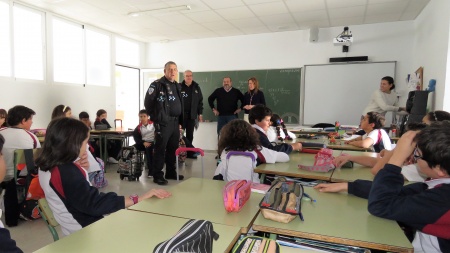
(416,155)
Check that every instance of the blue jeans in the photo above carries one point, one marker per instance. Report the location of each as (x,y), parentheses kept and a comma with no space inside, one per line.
(223,120)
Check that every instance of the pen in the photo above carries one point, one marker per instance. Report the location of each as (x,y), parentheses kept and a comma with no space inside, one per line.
(309,197)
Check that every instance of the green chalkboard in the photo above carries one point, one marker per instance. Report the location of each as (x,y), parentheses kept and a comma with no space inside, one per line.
(281,89)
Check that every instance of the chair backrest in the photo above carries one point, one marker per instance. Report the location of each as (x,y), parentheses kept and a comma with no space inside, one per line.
(227,168)
(47,215)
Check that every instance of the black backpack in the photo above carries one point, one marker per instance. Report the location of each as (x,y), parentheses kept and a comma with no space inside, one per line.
(195,236)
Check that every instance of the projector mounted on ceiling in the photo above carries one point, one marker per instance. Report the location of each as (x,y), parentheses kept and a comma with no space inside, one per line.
(344,39)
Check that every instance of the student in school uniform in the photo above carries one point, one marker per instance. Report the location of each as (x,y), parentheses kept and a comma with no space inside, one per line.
(73,201)
(7,244)
(424,207)
(61,111)
(144,136)
(375,136)
(259,117)
(239,135)
(17,136)
(253,96)
(113,146)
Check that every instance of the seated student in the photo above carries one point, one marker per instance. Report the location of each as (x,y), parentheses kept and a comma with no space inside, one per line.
(239,135)
(274,133)
(3,117)
(73,201)
(435,116)
(144,136)
(409,170)
(113,146)
(18,136)
(421,206)
(372,124)
(7,244)
(84,117)
(61,111)
(259,117)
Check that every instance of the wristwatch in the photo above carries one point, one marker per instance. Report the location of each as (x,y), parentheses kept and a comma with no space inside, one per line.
(135,198)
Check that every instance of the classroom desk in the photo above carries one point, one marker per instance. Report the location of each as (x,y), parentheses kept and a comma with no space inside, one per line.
(309,132)
(340,145)
(129,231)
(340,218)
(290,169)
(357,172)
(199,198)
(113,133)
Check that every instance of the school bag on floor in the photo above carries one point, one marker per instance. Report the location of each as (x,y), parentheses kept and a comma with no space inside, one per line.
(196,236)
(283,201)
(257,244)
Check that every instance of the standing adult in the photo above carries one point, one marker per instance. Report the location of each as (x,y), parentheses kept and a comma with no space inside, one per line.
(193,104)
(164,104)
(383,99)
(252,97)
(227,103)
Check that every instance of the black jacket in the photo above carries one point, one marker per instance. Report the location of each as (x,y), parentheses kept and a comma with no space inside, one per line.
(197,99)
(157,101)
(283,147)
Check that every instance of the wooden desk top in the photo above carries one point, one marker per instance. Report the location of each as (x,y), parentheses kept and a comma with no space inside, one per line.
(198,198)
(340,218)
(357,172)
(130,231)
(290,169)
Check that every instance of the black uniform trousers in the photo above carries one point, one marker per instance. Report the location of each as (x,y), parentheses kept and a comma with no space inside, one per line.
(166,143)
(189,126)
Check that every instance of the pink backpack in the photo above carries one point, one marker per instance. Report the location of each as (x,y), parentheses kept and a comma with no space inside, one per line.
(235,194)
(324,161)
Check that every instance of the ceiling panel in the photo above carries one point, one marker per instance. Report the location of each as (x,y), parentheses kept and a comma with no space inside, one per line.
(210,18)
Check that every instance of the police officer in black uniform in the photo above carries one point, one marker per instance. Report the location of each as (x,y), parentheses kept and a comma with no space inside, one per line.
(193,104)
(164,104)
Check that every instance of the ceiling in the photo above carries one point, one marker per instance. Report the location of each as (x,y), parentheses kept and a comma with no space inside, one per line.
(221,18)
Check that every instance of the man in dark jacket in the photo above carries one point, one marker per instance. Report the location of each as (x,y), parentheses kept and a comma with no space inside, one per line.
(193,106)
(164,104)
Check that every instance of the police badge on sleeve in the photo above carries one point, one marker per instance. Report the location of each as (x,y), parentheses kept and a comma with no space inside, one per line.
(151,89)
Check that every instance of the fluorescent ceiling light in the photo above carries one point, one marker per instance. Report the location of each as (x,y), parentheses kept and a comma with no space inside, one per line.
(160,10)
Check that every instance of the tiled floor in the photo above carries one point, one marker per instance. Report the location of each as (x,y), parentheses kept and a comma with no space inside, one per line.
(33,235)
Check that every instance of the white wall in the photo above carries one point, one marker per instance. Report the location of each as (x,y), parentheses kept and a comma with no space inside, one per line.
(431,43)
(42,98)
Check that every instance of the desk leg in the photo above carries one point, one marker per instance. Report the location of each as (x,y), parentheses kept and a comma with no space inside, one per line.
(261,180)
(273,236)
(105,149)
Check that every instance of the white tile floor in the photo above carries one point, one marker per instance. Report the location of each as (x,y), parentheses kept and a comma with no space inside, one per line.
(33,235)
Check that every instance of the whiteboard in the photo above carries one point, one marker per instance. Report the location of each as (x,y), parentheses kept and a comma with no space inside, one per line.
(340,92)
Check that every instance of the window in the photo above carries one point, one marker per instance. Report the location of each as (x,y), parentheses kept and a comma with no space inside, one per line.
(68,61)
(127,52)
(98,58)
(28,44)
(127,95)
(5,46)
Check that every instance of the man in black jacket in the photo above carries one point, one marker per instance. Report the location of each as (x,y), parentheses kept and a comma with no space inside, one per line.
(164,104)
(193,106)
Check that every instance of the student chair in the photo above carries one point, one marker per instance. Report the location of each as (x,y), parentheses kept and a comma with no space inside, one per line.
(19,161)
(323,125)
(179,150)
(240,153)
(47,214)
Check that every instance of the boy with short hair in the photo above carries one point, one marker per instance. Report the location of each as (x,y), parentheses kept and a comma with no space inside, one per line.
(259,117)
(144,136)
(421,206)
